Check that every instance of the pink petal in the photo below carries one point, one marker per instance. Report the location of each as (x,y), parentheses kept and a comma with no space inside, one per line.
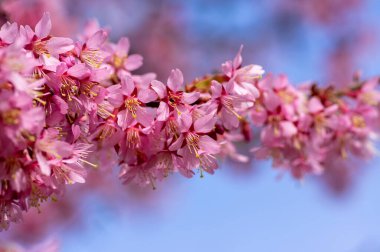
(76,131)
(177,144)
(259,115)
(145,116)
(163,112)
(229,86)
(209,145)
(115,97)
(175,80)
(216,89)
(227,68)
(133,62)
(159,87)
(127,85)
(101,74)
(281,82)
(61,104)
(190,98)
(61,69)
(184,120)
(147,95)
(271,101)
(97,40)
(123,46)
(79,71)
(43,164)
(124,119)
(205,124)
(315,105)
(77,174)
(230,121)
(43,27)
(288,129)
(58,45)
(9,32)
(238,58)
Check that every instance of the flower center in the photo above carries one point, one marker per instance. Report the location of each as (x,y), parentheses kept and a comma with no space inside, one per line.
(40,47)
(11,117)
(68,88)
(92,57)
(118,61)
(192,141)
(87,88)
(132,104)
(285,96)
(358,121)
(175,98)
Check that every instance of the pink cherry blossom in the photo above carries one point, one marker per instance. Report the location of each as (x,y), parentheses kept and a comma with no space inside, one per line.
(68,108)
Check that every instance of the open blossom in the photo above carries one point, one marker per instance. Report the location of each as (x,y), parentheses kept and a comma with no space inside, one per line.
(70,107)
(244,77)
(119,57)
(132,99)
(171,95)
(195,146)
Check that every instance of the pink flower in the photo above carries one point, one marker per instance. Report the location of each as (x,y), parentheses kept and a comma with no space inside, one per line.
(40,41)
(133,101)
(92,52)
(195,146)
(120,58)
(8,33)
(227,103)
(171,96)
(243,77)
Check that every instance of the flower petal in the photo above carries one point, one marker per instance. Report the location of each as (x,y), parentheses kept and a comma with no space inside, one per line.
(209,145)
(205,124)
(43,27)
(57,45)
(160,88)
(163,112)
(175,80)
(147,95)
(190,98)
(79,71)
(133,62)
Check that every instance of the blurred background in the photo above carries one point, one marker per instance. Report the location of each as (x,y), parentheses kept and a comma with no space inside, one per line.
(240,208)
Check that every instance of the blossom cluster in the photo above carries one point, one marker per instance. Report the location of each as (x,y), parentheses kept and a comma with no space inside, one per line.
(305,129)
(67,107)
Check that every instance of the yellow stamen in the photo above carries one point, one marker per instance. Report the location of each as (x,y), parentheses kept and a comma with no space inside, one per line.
(192,141)
(132,104)
(92,57)
(358,121)
(11,117)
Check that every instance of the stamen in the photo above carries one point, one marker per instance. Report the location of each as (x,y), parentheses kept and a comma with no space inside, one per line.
(11,117)
(132,104)
(358,121)
(118,61)
(133,138)
(86,88)
(175,98)
(227,103)
(68,87)
(89,163)
(192,141)
(92,57)
(40,47)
